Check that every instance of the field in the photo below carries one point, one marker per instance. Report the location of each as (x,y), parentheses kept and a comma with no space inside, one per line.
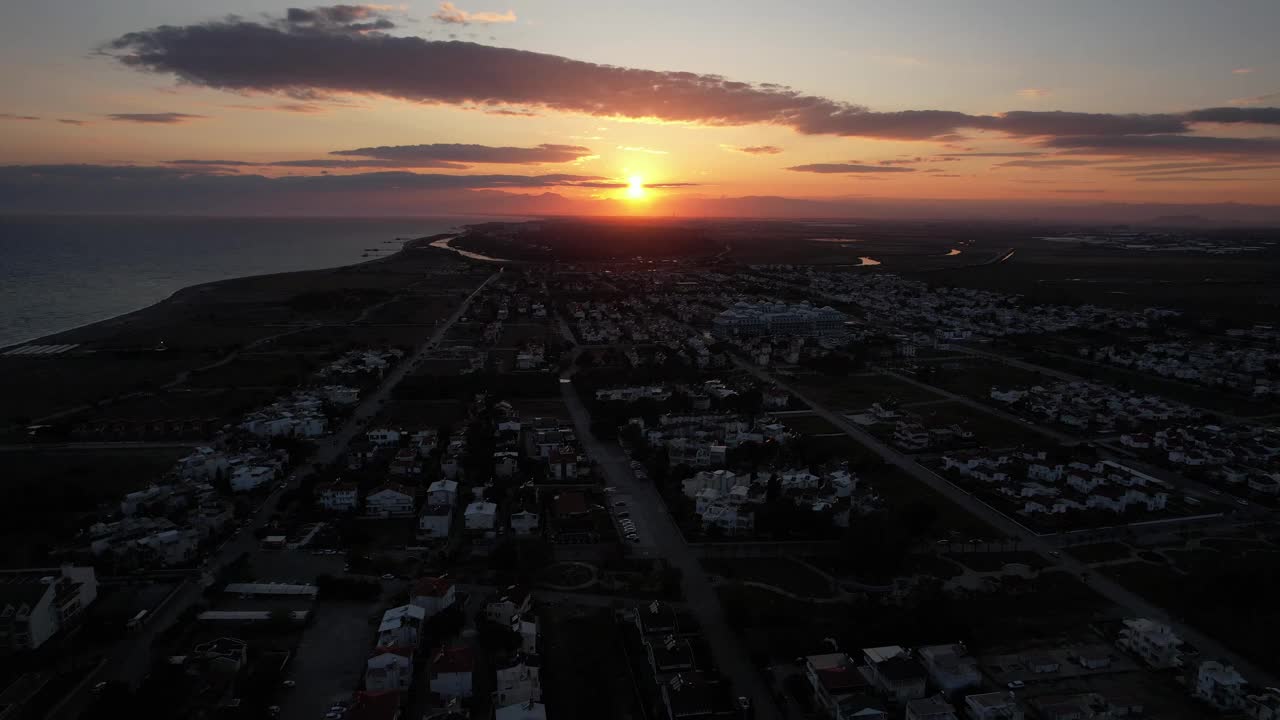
(857,392)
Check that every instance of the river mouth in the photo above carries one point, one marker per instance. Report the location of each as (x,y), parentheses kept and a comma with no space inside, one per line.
(443,244)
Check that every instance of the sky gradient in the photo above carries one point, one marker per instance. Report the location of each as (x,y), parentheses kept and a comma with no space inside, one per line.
(551,106)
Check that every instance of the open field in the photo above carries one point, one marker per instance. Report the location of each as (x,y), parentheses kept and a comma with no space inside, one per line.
(857,392)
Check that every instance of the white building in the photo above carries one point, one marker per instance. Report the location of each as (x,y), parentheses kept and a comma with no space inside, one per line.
(442,492)
(401,626)
(340,496)
(524,522)
(1152,641)
(36,604)
(518,682)
(247,478)
(390,500)
(435,522)
(168,548)
(451,670)
(389,668)
(433,595)
(480,516)
(1220,685)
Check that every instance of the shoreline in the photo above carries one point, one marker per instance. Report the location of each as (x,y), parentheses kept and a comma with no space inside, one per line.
(51,338)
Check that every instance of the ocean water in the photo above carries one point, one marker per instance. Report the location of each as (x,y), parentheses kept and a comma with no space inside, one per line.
(58,273)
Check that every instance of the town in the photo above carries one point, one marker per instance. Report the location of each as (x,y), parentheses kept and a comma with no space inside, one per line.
(584,489)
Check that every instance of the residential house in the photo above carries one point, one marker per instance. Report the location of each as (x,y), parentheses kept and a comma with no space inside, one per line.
(1219,685)
(950,667)
(518,681)
(442,492)
(247,478)
(435,522)
(480,516)
(340,496)
(993,706)
(524,522)
(1152,641)
(389,668)
(401,626)
(390,500)
(834,677)
(433,594)
(507,605)
(526,626)
(451,670)
(932,708)
(896,674)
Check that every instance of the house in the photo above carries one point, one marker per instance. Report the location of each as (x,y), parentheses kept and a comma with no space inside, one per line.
(512,602)
(247,478)
(933,708)
(406,463)
(950,667)
(36,604)
(505,463)
(695,696)
(340,496)
(896,674)
(389,668)
(524,522)
(480,516)
(518,681)
(435,522)
(1219,685)
(383,437)
(401,626)
(390,500)
(451,672)
(168,547)
(433,595)
(833,676)
(1152,641)
(526,626)
(442,492)
(993,706)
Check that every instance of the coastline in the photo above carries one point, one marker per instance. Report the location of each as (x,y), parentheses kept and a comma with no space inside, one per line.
(184,293)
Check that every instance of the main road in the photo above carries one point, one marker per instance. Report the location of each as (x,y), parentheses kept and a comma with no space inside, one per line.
(1043,546)
(130,660)
(661,537)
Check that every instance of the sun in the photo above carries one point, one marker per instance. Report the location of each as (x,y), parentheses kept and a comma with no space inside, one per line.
(635,187)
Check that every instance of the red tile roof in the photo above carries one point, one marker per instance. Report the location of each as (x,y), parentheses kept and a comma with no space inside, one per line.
(453,660)
(432,587)
(379,705)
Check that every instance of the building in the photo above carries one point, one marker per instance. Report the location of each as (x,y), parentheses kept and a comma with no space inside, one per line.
(518,681)
(896,674)
(514,601)
(1264,705)
(745,319)
(451,670)
(933,708)
(389,668)
(524,522)
(1152,641)
(521,711)
(435,522)
(36,604)
(993,706)
(247,478)
(480,516)
(442,492)
(340,496)
(433,595)
(390,500)
(526,626)
(950,667)
(168,548)
(834,677)
(1220,685)
(401,626)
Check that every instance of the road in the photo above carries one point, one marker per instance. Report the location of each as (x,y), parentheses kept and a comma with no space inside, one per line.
(662,538)
(130,660)
(1112,591)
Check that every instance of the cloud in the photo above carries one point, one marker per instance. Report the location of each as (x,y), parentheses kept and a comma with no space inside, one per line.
(1171,169)
(339,19)
(228,163)
(847,168)
(11,116)
(419,155)
(1034,92)
(1181,178)
(451,14)
(300,108)
(72,121)
(1250,115)
(313,61)
(614,185)
(1193,145)
(1257,100)
(633,148)
(755,149)
(164,118)
(1242,71)
(1020,154)
(1079,190)
(1048,164)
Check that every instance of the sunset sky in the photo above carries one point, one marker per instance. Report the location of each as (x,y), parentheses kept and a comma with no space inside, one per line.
(557,106)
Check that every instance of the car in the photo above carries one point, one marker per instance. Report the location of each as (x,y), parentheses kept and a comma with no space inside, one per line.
(273,710)
(1242,502)
(1054,553)
(610,490)
(1016,685)
(289,683)
(99,687)
(333,716)
(388,576)
(1215,492)
(620,503)
(943,542)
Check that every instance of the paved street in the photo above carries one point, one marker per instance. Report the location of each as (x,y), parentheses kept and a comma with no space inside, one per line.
(664,539)
(1104,586)
(130,660)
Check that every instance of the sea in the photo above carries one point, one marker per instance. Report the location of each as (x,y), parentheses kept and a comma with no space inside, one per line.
(59,273)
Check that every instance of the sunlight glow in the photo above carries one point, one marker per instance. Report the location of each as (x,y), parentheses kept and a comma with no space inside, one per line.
(635,187)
